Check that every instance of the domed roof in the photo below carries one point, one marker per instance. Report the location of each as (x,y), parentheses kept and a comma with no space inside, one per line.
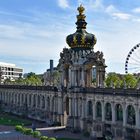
(81,38)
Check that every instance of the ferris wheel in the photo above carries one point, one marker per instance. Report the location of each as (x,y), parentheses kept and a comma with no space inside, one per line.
(132,63)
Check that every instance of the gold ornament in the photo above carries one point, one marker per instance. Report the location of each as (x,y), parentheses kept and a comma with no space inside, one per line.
(74,40)
(83,40)
(81,9)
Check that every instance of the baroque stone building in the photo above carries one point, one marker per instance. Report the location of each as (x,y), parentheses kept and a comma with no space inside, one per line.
(76,103)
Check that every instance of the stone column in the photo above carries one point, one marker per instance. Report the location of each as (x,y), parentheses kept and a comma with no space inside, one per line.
(113,113)
(28,102)
(20,99)
(16,100)
(46,104)
(56,109)
(75,77)
(70,112)
(88,76)
(10,98)
(137,117)
(31,100)
(61,77)
(86,109)
(51,104)
(94,110)
(103,111)
(55,104)
(124,115)
(73,107)
(63,72)
(83,77)
(83,114)
(72,77)
(59,105)
(97,76)
(42,102)
(69,78)
(78,107)
(101,76)
(75,100)
(36,101)
(13,97)
(7,98)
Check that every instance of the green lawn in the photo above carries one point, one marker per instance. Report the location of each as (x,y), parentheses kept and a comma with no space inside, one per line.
(7,119)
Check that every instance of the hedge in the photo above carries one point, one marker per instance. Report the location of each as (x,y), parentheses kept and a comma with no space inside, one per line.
(43,138)
(51,138)
(36,134)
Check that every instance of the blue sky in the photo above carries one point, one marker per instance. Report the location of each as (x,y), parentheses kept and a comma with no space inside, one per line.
(33,31)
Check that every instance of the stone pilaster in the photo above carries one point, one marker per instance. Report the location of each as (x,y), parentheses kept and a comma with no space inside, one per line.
(70,105)
(124,115)
(113,113)
(94,111)
(137,117)
(70,78)
(103,111)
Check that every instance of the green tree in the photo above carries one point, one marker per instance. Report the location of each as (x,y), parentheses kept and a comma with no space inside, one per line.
(130,80)
(32,79)
(113,80)
(56,78)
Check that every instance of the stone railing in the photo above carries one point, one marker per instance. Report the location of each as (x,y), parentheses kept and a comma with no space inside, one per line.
(25,87)
(108,91)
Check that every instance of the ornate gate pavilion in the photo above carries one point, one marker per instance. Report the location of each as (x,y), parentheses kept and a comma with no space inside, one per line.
(77,103)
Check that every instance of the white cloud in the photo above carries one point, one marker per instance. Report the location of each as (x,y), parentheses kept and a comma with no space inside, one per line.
(136,20)
(117,14)
(96,5)
(63,3)
(111,9)
(123,16)
(136,10)
(8,31)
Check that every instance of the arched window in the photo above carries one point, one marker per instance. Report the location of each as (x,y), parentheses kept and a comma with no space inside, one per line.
(67,106)
(18,96)
(119,112)
(34,100)
(98,110)
(22,98)
(43,102)
(15,98)
(30,99)
(108,112)
(131,115)
(25,102)
(38,101)
(48,104)
(90,108)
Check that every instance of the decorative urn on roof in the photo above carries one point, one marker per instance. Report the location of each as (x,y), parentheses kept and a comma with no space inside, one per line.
(81,38)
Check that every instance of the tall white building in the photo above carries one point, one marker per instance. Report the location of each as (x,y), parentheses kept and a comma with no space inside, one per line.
(8,70)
